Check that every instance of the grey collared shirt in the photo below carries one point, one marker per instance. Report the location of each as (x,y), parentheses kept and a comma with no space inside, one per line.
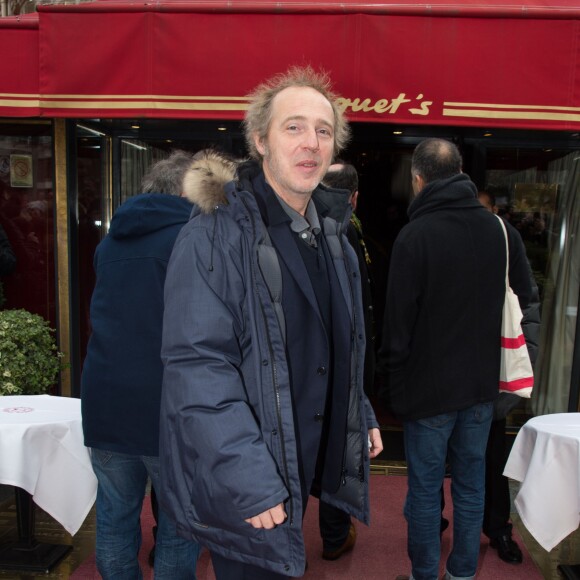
(308,226)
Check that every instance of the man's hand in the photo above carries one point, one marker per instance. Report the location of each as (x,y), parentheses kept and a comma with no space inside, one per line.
(376,442)
(272,517)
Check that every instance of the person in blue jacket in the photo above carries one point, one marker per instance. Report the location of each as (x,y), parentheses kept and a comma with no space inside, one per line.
(122,374)
(263,343)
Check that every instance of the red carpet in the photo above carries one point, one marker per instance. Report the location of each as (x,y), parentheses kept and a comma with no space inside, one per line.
(380,552)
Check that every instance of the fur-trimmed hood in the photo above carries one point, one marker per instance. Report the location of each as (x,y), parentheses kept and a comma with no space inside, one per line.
(204,181)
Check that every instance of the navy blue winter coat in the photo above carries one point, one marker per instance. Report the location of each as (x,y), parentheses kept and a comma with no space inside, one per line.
(122,373)
(228,447)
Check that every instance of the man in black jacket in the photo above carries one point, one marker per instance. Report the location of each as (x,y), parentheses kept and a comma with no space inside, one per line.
(336,528)
(441,350)
(496,517)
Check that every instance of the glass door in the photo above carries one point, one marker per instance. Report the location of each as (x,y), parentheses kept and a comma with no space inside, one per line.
(536,190)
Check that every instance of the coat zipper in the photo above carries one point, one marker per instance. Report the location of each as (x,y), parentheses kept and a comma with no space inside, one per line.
(279,417)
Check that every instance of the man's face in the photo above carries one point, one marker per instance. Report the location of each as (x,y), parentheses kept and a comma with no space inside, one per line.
(300,142)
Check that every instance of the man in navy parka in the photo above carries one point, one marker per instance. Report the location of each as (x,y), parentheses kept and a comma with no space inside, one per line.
(263,344)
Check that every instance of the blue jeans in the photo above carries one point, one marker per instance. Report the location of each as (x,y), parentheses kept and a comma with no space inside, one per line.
(460,438)
(120,493)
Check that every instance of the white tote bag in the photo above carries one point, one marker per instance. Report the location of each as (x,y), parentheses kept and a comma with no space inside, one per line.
(516,374)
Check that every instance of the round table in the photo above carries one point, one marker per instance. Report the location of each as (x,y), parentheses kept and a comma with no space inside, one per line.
(43,455)
(545,458)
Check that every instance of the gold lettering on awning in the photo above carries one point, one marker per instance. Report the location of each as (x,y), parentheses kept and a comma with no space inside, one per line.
(383,106)
(400,105)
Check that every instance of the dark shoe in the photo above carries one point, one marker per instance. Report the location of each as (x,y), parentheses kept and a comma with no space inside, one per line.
(346,547)
(152,557)
(507,549)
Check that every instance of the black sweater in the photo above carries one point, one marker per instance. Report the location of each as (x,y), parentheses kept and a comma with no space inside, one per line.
(441,337)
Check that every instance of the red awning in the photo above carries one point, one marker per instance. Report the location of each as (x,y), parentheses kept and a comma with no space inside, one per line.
(488,64)
(19,94)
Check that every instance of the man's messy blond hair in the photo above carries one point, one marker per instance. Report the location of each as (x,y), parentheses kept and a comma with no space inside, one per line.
(259,113)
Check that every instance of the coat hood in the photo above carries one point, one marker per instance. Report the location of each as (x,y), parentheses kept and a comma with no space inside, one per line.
(457,192)
(147,213)
(204,185)
(204,181)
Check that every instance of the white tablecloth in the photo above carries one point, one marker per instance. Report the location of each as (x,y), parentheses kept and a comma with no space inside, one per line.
(42,451)
(546,458)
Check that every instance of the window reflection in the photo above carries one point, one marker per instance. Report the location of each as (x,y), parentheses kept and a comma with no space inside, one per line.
(27,216)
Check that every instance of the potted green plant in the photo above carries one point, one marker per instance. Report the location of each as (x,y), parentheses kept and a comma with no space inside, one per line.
(29,358)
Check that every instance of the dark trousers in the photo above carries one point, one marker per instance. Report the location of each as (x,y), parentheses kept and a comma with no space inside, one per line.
(232,570)
(334,526)
(225,569)
(496,514)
